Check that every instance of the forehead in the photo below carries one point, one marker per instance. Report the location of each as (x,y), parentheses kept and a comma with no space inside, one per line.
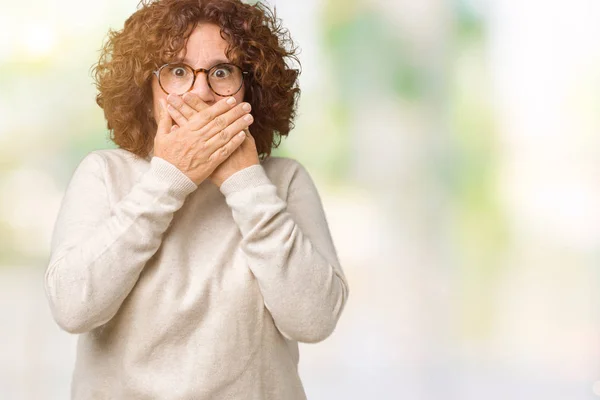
(205,46)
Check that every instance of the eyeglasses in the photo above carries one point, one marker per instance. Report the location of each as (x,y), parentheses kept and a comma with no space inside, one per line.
(178,78)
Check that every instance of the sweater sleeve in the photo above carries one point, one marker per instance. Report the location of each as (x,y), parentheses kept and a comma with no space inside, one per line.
(98,250)
(289,249)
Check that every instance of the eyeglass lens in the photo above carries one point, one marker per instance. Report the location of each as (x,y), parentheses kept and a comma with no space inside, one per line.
(223,79)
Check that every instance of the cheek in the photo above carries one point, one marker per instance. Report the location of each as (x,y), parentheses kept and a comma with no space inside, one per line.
(239,96)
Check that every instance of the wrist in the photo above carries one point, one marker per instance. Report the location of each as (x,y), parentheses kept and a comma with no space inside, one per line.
(246,178)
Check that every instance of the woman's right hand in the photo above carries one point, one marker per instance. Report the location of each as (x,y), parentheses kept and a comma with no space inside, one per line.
(200,145)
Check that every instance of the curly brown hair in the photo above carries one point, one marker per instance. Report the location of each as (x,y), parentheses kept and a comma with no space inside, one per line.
(157,32)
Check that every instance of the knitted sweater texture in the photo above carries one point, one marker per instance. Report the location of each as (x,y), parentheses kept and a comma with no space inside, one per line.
(184,291)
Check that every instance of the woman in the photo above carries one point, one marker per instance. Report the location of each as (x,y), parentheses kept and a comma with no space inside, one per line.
(189,260)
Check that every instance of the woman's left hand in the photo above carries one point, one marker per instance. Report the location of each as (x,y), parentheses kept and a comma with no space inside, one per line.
(244,156)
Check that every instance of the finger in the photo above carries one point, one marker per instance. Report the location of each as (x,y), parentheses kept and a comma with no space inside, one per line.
(178,117)
(194,101)
(225,135)
(206,116)
(174,128)
(164,121)
(184,109)
(223,121)
(223,152)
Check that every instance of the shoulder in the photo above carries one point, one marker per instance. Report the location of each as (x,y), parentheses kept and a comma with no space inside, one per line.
(280,162)
(116,156)
(289,175)
(111,165)
(283,169)
(114,160)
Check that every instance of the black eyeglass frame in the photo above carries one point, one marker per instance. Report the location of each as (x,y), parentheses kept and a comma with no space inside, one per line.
(196,72)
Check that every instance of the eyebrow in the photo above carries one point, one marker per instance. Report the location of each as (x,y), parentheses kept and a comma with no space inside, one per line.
(212,63)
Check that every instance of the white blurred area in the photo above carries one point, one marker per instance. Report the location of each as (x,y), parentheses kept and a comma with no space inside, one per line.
(449,298)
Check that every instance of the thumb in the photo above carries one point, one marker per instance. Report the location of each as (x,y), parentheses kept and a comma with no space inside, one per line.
(164,121)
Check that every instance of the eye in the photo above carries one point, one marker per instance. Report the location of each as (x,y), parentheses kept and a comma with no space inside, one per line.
(179,72)
(222,72)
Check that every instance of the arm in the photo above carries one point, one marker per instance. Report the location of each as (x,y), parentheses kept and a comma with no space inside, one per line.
(98,251)
(290,252)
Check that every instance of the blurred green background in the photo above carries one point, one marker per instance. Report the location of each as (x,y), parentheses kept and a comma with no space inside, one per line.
(455,144)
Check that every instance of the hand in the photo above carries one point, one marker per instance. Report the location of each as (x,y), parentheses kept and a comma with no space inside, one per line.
(199,144)
(244,156)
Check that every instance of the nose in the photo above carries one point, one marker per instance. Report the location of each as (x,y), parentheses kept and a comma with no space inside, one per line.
(202,89)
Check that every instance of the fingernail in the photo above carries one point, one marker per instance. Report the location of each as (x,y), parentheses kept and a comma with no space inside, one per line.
(246,107)
(248,118)
(231,101)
